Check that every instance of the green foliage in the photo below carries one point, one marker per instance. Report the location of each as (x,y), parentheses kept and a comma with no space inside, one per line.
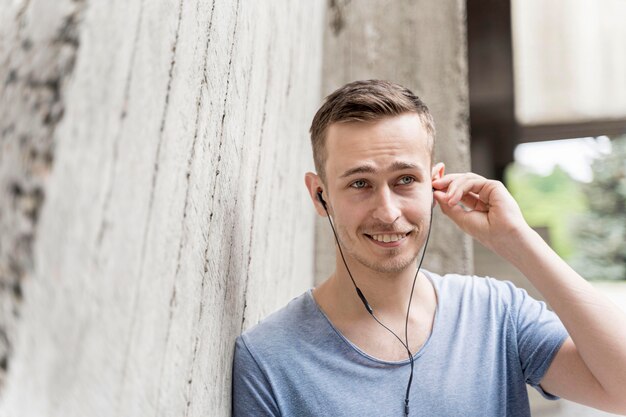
(601,233)
(553,201)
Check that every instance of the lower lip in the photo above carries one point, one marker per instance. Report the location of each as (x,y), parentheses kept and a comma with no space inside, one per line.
(388,244)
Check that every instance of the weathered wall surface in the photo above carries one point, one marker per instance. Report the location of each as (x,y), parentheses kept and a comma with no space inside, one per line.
(151,196)
(422,45)
(172,218)
(38,47)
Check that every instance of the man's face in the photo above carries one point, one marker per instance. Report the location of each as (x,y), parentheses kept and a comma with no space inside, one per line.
(378,178)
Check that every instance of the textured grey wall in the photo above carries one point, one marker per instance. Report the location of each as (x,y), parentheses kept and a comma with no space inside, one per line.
(422,45)
(172,218)
(152,203)
(38,47)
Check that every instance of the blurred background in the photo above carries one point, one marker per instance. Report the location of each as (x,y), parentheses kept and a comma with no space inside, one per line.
(151,161)
(547,85)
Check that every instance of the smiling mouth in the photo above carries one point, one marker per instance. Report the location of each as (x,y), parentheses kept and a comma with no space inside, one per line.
(387,237)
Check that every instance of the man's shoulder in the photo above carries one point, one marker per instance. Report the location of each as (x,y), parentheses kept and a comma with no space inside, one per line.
(283,328)
(473,287)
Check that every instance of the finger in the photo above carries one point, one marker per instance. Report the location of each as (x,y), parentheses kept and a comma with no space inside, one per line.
(458,215)
(443,182)
(450,211)
(489,193)
(440,197)
(468,221)
(472,202)
(459,188)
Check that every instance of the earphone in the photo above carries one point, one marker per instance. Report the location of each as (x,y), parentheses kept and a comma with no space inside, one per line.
(367,305)
(358,290)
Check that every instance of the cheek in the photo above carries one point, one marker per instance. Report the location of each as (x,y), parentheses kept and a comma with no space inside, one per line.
(418,211)
(351,217)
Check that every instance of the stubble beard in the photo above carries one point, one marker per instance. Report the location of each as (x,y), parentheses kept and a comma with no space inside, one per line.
(393,263)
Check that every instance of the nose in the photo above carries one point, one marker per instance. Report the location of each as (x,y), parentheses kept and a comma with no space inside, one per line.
(387,209)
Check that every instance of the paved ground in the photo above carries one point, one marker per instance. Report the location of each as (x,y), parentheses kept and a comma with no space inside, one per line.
(487,263)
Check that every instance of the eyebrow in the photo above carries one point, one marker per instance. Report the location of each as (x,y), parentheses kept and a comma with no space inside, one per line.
(369,169)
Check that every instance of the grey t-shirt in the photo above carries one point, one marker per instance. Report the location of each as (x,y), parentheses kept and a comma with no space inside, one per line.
(488,340)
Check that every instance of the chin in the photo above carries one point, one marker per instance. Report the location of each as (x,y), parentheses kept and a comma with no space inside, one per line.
(388,266)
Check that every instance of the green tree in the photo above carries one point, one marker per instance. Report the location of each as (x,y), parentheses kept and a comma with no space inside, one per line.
(550,201)
(600,234)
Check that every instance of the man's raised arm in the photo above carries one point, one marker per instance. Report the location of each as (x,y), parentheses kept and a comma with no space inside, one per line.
(590,367)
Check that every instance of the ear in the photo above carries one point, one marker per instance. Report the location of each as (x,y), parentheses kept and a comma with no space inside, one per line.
(438,171)
(314,184)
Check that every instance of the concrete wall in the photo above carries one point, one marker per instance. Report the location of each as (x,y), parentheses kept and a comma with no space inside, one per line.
(38,45)
(420,44)
(152,203)
(172,217)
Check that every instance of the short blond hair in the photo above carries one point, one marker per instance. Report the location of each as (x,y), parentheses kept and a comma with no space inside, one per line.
(361,101)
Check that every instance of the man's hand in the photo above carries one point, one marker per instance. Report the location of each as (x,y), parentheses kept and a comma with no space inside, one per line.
(590,367)
(488,213)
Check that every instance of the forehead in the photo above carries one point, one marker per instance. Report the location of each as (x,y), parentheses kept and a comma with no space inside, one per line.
(381,143)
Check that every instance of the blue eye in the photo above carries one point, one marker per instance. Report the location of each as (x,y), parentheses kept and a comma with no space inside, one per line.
(406,180)
(358,184)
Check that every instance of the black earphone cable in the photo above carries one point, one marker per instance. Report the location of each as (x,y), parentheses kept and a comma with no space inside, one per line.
(369,308)
(406,322)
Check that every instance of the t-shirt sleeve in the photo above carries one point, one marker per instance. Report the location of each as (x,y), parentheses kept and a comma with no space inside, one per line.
(540,335)
(252,394)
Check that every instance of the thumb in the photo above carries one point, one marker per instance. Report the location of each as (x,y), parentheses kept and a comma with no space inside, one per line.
(455,212)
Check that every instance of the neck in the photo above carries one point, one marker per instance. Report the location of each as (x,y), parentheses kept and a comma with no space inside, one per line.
(386,292)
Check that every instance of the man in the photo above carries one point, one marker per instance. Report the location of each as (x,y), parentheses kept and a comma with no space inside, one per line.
(474,342)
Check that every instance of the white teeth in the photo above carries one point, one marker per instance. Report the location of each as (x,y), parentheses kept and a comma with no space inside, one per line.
(388,238)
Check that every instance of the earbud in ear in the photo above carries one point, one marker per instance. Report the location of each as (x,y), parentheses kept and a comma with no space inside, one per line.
(321,199)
